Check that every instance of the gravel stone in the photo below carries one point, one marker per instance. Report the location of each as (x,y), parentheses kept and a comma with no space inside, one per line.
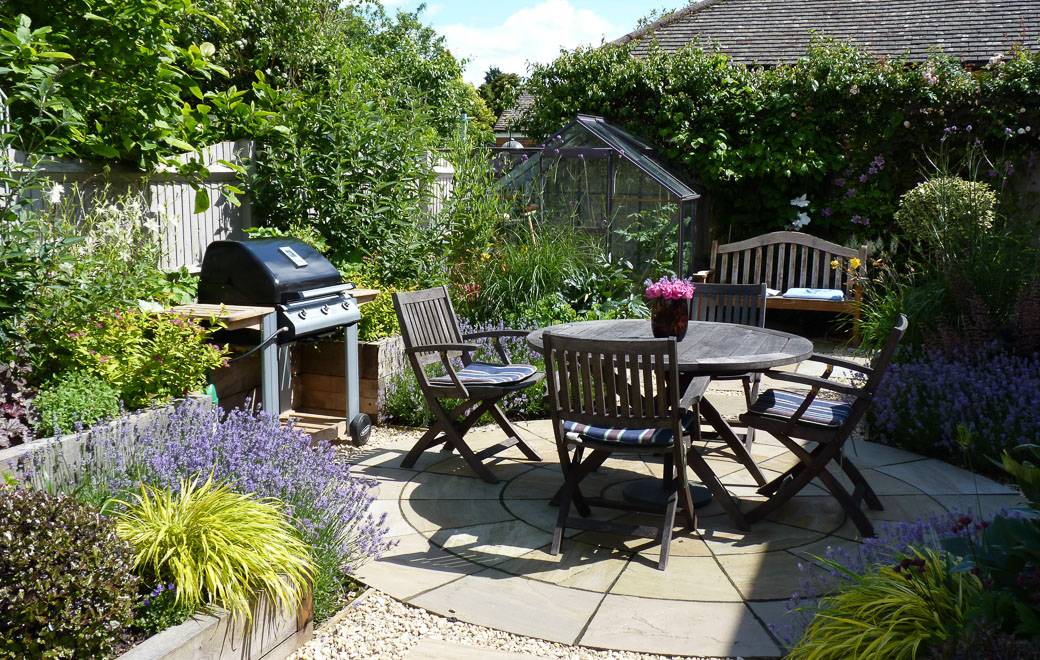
(377,626)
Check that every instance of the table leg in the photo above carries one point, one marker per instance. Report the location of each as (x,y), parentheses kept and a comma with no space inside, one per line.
(714,417)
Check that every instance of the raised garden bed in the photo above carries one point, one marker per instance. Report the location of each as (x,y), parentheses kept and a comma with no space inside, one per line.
(271,636)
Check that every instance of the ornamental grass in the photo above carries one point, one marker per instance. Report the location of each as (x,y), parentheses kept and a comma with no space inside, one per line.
(217,546)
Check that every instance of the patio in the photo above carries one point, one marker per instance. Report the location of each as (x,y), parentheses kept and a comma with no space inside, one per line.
(479,552)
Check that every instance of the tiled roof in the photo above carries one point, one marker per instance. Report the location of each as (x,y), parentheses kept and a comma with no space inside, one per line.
(778,31)
(511,115)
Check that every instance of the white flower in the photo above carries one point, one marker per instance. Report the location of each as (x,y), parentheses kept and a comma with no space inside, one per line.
(801,221)
(1021,131)
(152,226)
(854,90)
(1028,128)
(996,59)
(149,306)
(906,124)
(55,193)
(800,202)
(1021,111)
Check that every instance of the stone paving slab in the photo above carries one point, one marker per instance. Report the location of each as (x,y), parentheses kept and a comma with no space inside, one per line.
(480,552)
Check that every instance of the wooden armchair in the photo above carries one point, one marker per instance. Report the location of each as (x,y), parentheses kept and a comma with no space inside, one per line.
(828,424)
(431,333)
(786,260)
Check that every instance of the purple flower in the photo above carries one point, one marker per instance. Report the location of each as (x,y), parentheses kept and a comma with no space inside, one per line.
(863,178)
(1008,132)
(826,211)
(851,192)
(860,220)
(840,182)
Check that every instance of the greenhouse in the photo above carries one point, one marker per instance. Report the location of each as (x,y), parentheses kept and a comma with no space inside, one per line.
(597,177)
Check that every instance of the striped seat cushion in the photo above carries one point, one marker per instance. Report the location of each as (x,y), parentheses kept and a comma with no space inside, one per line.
(778,403)
(654,437)
(481,373)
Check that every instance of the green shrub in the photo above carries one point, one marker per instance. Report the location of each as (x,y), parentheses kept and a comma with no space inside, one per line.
(891,612)
(149,358)
(378,318)
(216,546)
(158,610)
(75,398)
(946,212)
(66,585)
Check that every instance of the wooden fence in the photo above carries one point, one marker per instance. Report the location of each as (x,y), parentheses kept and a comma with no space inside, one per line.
(168,197)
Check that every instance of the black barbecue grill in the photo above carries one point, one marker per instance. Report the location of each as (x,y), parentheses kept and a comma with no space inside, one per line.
(308,294)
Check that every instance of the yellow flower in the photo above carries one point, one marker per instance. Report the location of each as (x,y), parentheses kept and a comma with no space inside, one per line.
(855,263)
(834,264)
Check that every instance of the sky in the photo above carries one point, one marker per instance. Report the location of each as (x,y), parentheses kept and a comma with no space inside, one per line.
(510,33)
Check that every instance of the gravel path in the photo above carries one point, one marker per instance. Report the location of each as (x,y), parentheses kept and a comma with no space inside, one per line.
(377,626)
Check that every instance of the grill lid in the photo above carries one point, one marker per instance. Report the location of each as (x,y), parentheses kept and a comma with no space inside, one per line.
(266,271)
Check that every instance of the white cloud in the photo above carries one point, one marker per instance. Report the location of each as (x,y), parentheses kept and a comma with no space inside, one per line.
(531,34)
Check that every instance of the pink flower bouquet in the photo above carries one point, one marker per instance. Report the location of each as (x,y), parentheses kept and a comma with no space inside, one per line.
(669,288)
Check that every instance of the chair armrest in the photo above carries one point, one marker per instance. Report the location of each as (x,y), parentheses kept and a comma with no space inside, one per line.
(838,362)
(441,348)
(702,275)
(694,392)
(497,333)
(813,381)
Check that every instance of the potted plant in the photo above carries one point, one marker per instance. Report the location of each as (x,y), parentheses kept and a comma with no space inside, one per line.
(669,299)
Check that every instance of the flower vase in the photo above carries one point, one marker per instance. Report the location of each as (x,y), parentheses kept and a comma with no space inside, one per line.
(670,318)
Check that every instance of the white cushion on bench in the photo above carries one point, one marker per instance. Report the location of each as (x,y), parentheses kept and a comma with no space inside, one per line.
(815,294)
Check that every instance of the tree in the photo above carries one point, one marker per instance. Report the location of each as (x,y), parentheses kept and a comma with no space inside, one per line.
(500,90)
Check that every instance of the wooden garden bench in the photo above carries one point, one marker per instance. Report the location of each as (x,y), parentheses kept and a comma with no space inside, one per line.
(786,260)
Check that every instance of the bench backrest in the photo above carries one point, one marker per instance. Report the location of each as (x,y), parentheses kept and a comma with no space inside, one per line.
(784,260)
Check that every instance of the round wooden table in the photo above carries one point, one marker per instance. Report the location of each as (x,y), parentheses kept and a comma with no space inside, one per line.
(708,349)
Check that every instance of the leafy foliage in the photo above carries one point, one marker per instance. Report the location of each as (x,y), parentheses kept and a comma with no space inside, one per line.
(148,357)
(66,585)
(158,610)
(216,546)
(839,125)
(945,212)
(75,399)
(891,612)
(131,90)
(379,319)
(500,90)
(19,415)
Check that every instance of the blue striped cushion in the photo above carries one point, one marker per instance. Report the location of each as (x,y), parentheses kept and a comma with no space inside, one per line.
(778,403)
(630,436)
(480,373)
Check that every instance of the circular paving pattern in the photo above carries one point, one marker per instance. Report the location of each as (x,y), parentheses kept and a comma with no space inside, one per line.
(479,551)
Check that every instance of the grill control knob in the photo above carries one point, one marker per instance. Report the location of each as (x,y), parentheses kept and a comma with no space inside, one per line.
(324,309)
(346,305)
(302,314)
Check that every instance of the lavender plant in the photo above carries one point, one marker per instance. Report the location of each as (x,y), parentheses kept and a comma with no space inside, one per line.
(923,401)
(253,453)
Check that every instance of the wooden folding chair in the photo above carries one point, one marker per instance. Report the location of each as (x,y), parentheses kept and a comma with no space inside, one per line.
(431,332)
(788,415)
(743,304)
(620,397)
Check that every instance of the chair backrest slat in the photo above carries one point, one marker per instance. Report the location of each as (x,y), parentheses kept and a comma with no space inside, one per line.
(630,384)
(427,318)
(744,304)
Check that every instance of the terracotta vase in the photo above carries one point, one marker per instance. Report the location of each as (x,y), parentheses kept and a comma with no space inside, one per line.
(670,318)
